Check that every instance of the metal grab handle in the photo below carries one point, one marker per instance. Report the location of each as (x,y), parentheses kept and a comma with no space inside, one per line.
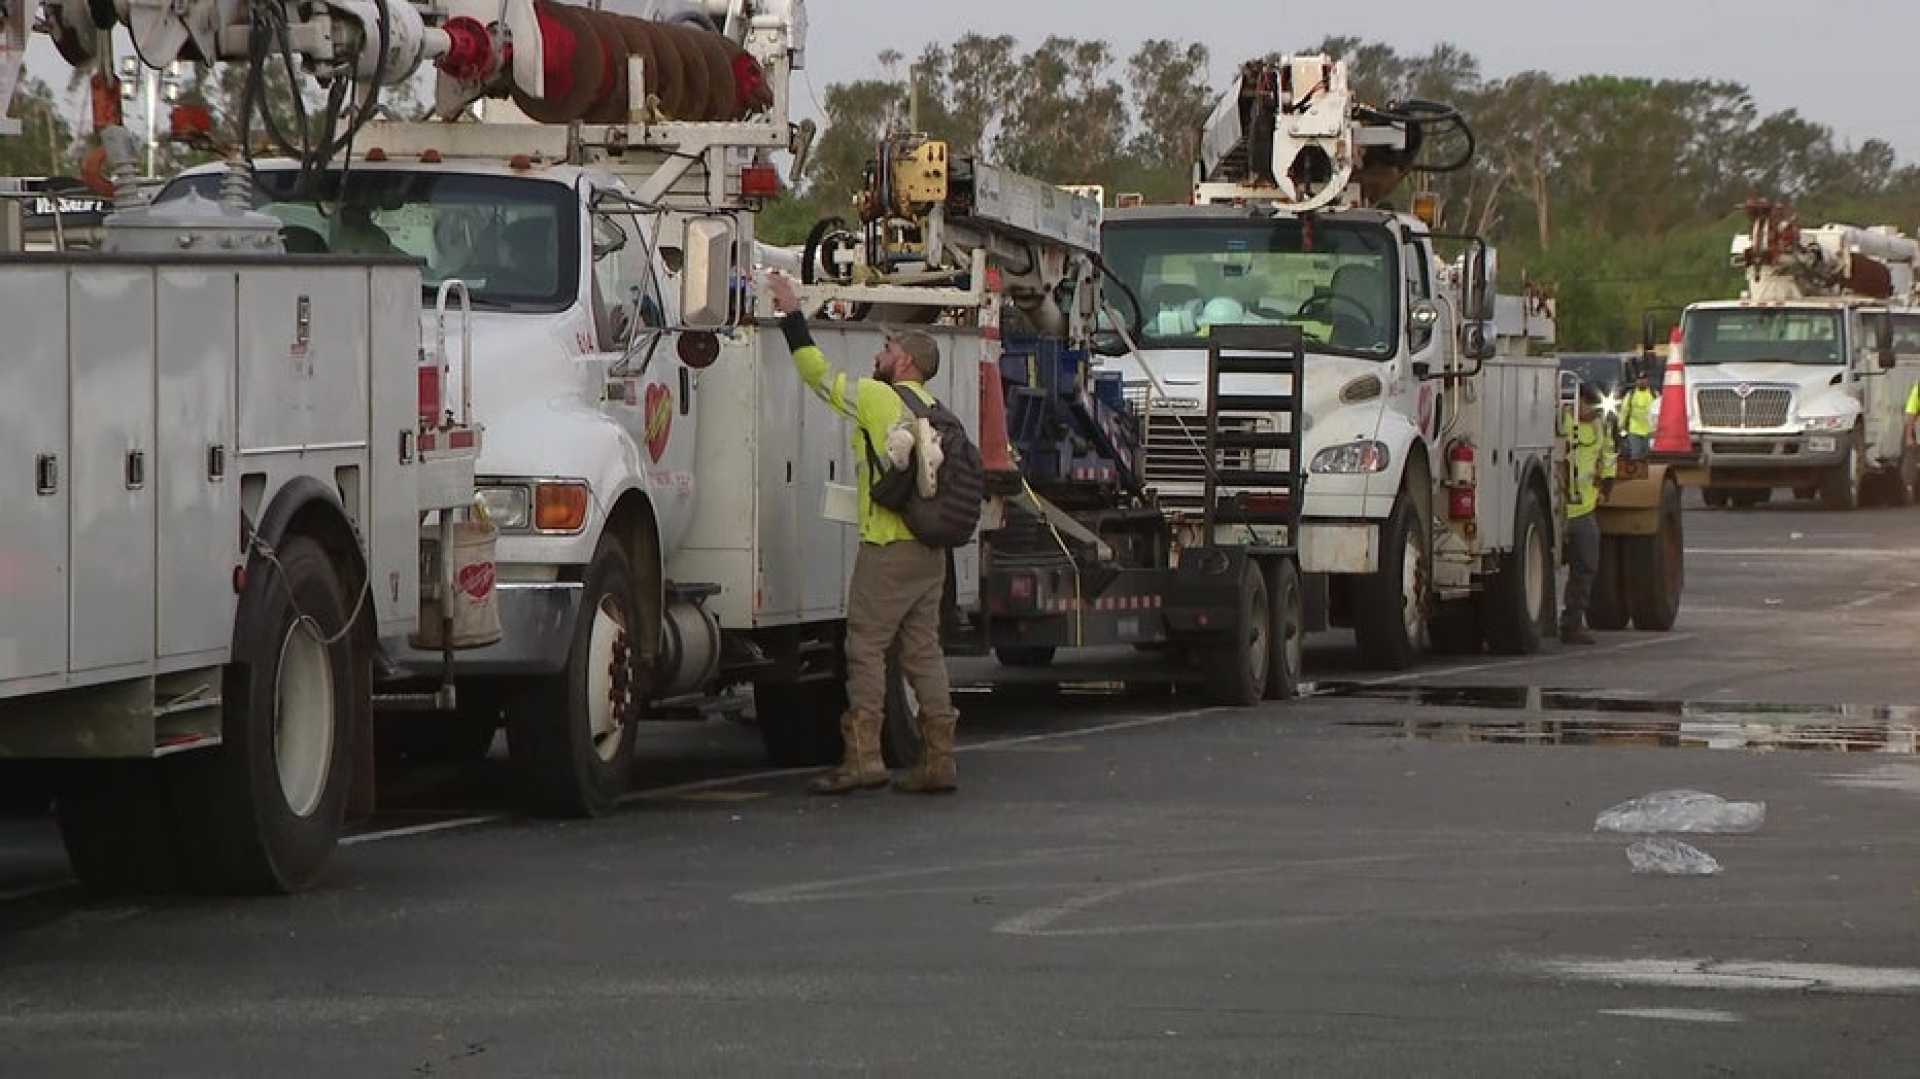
(216,462)
(46,474)
(136,470)
(448,286)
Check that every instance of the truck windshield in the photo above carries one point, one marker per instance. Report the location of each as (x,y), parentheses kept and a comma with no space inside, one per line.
(1765,335)
(1191,275)
(508,239)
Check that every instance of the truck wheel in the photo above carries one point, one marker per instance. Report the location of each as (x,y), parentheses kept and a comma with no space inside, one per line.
(264,810)
(1011,655)
(1608,607)
(1518,607)
(117,824)
(800,724)
(1715,497)
(1287,639)
(900,729)
(571,735)
(1656,566)
(1236,668)
(1390,612)
(1840,489)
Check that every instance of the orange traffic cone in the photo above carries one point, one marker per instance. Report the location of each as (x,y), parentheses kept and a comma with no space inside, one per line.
(996,450)
(1675,435)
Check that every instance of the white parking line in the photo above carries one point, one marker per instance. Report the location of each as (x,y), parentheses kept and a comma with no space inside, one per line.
(1675,1015)
(421,829)
(1737,975)
(1903,553)
(1868,601)
(1525,661)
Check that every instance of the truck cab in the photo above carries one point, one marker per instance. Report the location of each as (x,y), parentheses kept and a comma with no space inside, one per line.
(1428,426)
(1801,395)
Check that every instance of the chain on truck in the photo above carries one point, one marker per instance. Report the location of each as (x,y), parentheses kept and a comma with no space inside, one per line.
(1802,383)
(1431,512)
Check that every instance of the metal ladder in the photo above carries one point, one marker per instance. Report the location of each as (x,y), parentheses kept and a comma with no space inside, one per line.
(1256,496)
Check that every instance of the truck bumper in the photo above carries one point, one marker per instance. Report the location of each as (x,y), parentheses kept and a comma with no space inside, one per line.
(1769,460)
(537,623)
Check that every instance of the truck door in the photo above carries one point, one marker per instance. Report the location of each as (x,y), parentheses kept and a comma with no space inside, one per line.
(649,388)
(1883,415)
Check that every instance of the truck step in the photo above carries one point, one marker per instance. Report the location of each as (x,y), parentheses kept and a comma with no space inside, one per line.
(1255,402)
(1253,440)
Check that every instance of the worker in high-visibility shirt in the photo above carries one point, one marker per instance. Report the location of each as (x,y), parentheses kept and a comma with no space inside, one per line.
(1636,415)
(1591,466)
(898,582)
(1913,413)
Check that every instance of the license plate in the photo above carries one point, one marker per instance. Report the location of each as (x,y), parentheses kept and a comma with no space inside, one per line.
(1821,445)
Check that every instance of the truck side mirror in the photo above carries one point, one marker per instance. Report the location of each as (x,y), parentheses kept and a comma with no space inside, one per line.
(706,285)
(1482,278)
(1108,343)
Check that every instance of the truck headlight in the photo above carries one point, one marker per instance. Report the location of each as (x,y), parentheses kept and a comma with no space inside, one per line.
(509,508)
(1353,458)
(1827,423)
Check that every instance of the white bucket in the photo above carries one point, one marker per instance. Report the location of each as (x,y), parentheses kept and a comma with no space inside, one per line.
(476,603)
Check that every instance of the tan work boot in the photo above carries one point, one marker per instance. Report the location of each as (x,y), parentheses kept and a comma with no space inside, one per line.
(936,773)
(861,767)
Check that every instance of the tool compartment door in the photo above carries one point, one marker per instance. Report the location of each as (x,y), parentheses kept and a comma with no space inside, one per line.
(110,327)
(198,488)
(33,437)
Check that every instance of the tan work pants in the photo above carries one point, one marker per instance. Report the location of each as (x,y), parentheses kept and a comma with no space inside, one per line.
(895,598)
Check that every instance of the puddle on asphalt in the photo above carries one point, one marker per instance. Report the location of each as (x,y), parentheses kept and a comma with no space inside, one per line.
(1627,720)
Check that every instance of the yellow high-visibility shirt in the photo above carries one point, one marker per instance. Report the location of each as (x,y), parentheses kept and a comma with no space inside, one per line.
(875,409)
(1590,459)
(1637,412)
(1913,401)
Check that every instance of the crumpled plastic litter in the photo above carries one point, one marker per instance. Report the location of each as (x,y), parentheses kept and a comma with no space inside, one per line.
(1660,856)
(1682,811)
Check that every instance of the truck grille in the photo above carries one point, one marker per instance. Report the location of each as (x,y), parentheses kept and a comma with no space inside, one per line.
(1176,456)
(1725,409)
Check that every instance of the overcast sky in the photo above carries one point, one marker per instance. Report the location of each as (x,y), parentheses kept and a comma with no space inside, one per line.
(1851,64)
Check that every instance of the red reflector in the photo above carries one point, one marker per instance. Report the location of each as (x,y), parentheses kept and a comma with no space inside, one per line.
(376,154)
(430,395)
(520,162)
(430,157)
(1274,504)
(760,181)
(460,440)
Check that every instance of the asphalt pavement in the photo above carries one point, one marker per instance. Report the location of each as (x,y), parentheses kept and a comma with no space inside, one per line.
(1397,876)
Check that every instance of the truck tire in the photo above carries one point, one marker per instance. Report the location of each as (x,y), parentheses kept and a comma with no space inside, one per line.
(800,723)
(1287,660)
(1236,669)
(1517,609)
(1390,608)
(264,811)
(117,823)
(900,727)
(1013,655)
(571,735)
(1609,608)
(1656,568)
(1840,488)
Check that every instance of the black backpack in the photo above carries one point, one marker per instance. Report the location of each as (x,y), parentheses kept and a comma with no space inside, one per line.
(950,518)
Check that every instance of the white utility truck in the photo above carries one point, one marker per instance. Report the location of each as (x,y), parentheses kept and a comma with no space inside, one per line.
(1802,383)
(220,492)
(1429,517)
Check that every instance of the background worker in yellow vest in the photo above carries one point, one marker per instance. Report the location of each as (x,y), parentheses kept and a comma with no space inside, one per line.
(1636,415)
(1591,466)
(898,582)
(1913,413)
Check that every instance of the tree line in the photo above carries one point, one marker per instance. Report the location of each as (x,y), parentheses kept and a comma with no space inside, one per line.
(1616,193)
